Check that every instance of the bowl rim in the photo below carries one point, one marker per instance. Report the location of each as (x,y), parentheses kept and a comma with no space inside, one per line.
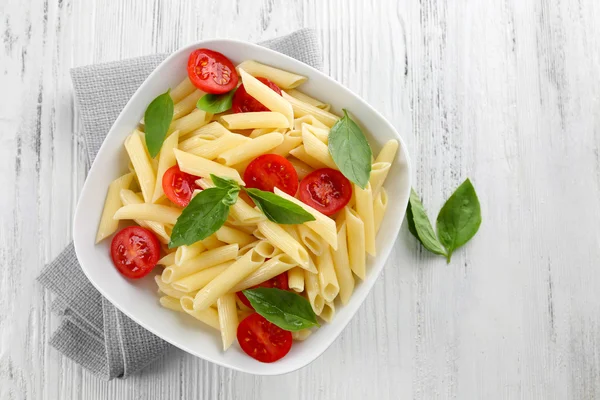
(382,256)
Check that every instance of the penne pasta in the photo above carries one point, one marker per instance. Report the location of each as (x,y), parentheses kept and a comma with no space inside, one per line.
(182,90)
(230,235)
(379,207)
(187,104)
(253,120)
(228,319)
(355,231)
(310,120)
(266,249)
(328,311)
(306,98)
(296,279)
(310,239)
(327,279)
(198,280)
(185,125)
(247,248)
(169,259)
(286,243)
(301,168)
(379,172)
(266,96)
(199,166)
(316,148)
(270,269)
(171,303)
(214,129)
(301,109)
(388,152)
(283,79)
(313,291)
(202,261)
(364,208)
(108,225)
(161,230)
(251,149)
(168,289)
(141,164)
(302,334)
(213,149)
(209,316)
(166,159)
(212,242)
(184,253)
(341,264)
(291,140)
(301,154)
(149,212)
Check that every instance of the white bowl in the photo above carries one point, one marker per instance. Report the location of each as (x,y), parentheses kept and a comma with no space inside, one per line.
(138,299)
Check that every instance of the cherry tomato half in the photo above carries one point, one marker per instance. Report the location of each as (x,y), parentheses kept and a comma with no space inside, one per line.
(211,71)
(179,186)
(243,102)
(279,282)
(325,190)
(263,340)
(270,170)
(135,251)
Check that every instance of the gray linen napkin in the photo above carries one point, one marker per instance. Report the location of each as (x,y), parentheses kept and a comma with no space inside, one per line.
(93,332)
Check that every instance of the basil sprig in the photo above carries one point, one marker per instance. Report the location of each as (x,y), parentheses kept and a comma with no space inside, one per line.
(157,119)
(457,222)
(278,209)
(216,103)
(209,209)
(350,150)
(287,310)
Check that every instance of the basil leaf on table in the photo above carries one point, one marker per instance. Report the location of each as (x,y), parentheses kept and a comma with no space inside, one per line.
(287,310)
(460,218)
(157,120)
(278,209)
(224,183)
(420,227)
(205,214)
(216,103)
(350,150)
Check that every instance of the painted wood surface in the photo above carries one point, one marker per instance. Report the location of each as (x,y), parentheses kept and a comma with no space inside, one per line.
(505,92)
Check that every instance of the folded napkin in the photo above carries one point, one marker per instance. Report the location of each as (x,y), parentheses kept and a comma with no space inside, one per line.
(93,332)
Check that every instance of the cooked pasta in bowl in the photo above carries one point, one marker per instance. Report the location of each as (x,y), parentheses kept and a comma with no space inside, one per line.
(242,206)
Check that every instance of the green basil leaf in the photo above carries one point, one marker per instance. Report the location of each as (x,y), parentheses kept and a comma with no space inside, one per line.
(216,103)
(350,150)
(278,209)
(420,227)
(157,119)
(225,183)
(287,310)
(205,214)
(460,218)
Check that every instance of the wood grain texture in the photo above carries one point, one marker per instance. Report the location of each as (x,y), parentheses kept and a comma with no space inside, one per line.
(505,92)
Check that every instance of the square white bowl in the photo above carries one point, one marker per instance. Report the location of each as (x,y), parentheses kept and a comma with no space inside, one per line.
(138,299)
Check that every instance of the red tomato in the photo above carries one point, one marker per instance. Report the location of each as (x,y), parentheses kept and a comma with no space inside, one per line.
(135,251)
(211,71)
(263,340)
(325,190)
(243,102)
(279,282)
(270,170)
(179,186)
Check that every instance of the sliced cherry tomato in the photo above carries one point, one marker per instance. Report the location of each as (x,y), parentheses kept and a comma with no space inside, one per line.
(263,340)
(279,282)
(179,186)
(211,71)
(325,190)
(135,251)
(269,171)
(243,102)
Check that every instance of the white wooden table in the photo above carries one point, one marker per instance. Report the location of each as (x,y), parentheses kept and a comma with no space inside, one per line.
(505,92)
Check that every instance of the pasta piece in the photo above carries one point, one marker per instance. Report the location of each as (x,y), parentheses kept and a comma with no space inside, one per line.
(270,269)
(141,164)
(286,243)
(302,334)
(171,303)
(228,319)
(283,79)
(301,109)
(168,289)
(199,166)
(316,148)
(266,249)
(266,96)
(212,242)
(248,229)
(191,143)
(230,235)
(161,230)
(214,129)
(327,278)
(342,265)
(202,261)
(166,160)
(322,225)
(184,253)
(308,119)
(310,239)
(185,125)
(187,104)
(328,311)
(108,225)
(306,98)
(258,234)
(301,167)
(296,279)
(364,208)
(379,172)
(149,212)
(223,283)
(251,149)
(169,259)
(200,279)
(301,154)
(263,131)
(213,149)
(355,231)
(291,140)
(313,292)
(321,134)
(183,89)
(388,152)
(379,206)
(209,316)
(253,120)
(240,211)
